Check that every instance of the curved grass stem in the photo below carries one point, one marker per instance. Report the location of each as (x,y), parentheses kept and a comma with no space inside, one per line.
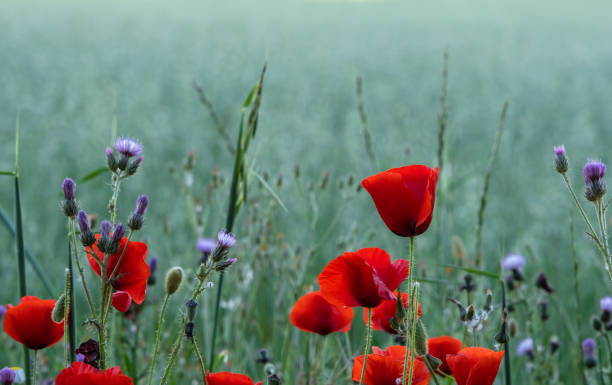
(367,345)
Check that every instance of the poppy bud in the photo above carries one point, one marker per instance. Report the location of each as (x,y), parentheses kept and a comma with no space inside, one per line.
(554,344)
(7,376)
(220,266)
(542,283)
(274,379)
(596,322)
(111,161)
(488,300)
(512,327)
(262,356)
(87,236)
(58,310)
(588,348)
(434,362)
(561,162)
(420,339)
(191,306)
(133,166)
(174,277)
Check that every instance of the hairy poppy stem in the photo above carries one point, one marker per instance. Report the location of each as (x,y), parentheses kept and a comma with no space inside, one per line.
(367,345)
(431,371)
(72,230)
(410,295)
(507,368)
(158,337)
(200,359)
(415,316)
(34,367)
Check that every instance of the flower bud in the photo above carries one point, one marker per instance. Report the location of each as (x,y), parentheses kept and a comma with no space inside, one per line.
(596,322)
(606,308)
(87,236)
(90,350)
(189,329)
(470,312)
(220,266)
(118,235)
(420,339)
(542,283)
(111,161)
(468,283)
(7,376)
(136,220)
(133,166)
(488,300)
(174,277)
(434,362)
(191,306)
(152,270)
(554,344)
(561,162)
(594,172)
(588,348)
(69,189)
(58,310)
(274,379)
(104,243)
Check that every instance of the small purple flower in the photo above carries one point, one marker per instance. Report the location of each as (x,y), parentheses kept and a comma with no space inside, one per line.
(588,347)
(606,304)
(513,262)
(109,152)
(525,347)
(225,240)
(153,264)
(141,205)
(7,376)
(2,311)
(559,150)
(83,221)
(105,229)
(80,357)
(128,147)
(69,189)
(206,245)
(119,233)
(593,171)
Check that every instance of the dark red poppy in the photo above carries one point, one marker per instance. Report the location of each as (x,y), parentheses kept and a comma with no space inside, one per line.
(363,278)
(387,368)
(382,314)
(474,366)
(404,197)
(313,313)
(82,374)
(30,323)
(439,347)
(227,378)
(132,274)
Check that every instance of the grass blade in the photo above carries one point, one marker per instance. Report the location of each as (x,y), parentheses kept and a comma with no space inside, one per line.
(93,174)
(270,190)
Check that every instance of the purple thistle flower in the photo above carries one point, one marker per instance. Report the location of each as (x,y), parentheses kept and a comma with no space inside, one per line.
(128,147)
(83,221)
(153,264)
(588,347)
(69,189)
(206,245)
(2,311)
(141,205)
(7,376)
(606,304)
(513,262)
(225,240)
(524,347)
(593,171)
(109,151)
(105,229)
(118,234)
(559,150)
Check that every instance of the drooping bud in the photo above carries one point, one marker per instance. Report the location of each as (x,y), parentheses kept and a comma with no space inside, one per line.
(462,310)
(561,162)
(136,220)
(191,306)
(222,265)
(542,283)
(152,268)
(554,344)
(90,350)
(588,348)
(594,172)
(420,339)
(58,310)
(174,277)
(434,362)
(87,236)
(525,348)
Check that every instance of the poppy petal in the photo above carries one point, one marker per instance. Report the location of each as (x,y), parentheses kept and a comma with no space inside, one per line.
(121,301)
(313,313)
(30,323)
(227,378)
(439,347)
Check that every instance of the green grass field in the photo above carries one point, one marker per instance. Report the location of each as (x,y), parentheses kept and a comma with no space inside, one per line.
(73,72)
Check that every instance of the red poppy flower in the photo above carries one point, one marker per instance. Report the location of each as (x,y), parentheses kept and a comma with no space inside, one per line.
(82,374)
(363,278)
(382,314)
(394,351)
(439,347)
(30,323)
(404,197)
(387,369)
(227,378)
(312,313)
(132,274)
(474,366)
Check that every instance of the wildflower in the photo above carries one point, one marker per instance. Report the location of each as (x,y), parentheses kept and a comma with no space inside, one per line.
(87,236)
(514,263)
(7,376)
(542,283)
(593,172)
(313,313)
(133,167)
(206,247)
(475,366)
(404,197)
(596,323)
(81,373)
(588,348)
(2,311)
(225,240)
(136,220)
(525,348)
(440,347)
(104,241)
(128,147)
(468,283)
(69,205)
(121,300)
(30,323)
(386,311)
(363,278)
(386,368)
(561,162)
(90,352)
(606,308)
(111,161)
(174,277)
(227,378)
(131,275)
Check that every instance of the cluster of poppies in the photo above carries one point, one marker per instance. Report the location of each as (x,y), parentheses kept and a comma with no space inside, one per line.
(404,198)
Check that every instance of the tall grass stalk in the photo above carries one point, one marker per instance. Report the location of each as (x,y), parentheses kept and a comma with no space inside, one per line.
(158,337)
(363,118)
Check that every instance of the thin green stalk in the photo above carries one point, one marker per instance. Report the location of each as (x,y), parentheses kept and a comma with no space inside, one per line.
(410,280)
(158,337)
(112,204)
(71,309)
(577,358)
(363,118)
(431,371)
(200,360)
(609,346)
(367,346)
(35,367)
(72,231)
(507,367)
(414,313)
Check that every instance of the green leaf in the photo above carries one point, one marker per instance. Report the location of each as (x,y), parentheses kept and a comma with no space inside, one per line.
(478,272)
(249,98)
(11,173)
(93,174)
(270,190)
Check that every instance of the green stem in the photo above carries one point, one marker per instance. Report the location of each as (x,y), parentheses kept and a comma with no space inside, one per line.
(200,360)
(35,366)
(410,278)
(112,204)
(414,313)
(72,230)
(101,325)
(158,337)
(507,368)
(431,371)
(367,345)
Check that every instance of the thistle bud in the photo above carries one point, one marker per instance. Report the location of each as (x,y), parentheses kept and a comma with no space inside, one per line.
(420,339)
(69,205)
(561,162)
(222,265)
(111,161)
(225,241)
(596,322)
(58,310)
(123,162)
(594,172)
(133,166)
(136,220)
(174,277)
(104,242)
(87,236)
(152,269)
(191,306)
(118,235)
(488,300)
(588,348)
(606,309)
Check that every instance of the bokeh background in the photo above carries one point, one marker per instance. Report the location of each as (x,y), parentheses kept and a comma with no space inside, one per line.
(77,73)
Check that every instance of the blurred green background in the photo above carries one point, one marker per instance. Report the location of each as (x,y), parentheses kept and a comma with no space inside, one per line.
(71,69)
